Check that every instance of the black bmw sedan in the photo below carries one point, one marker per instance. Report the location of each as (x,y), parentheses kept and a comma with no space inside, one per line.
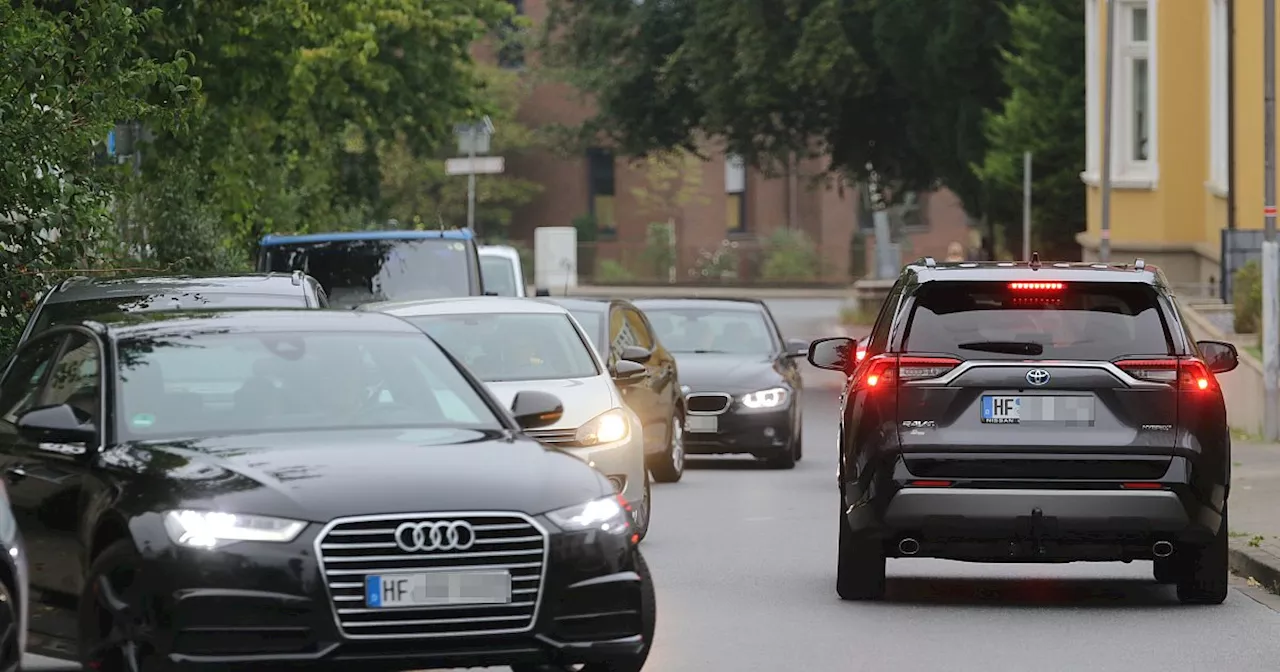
(742,383)
(326,490)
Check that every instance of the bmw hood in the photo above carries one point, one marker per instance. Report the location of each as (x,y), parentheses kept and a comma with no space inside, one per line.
(733,374)
(583,398)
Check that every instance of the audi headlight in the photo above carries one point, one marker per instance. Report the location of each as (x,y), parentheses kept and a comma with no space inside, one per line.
(607,427)
(607,514)
(770,398)
(210,529)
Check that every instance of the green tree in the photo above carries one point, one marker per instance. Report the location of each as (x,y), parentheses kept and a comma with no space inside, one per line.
(1044,113)
(68,72)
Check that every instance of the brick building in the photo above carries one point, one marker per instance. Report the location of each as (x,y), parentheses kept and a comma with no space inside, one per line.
(721,204)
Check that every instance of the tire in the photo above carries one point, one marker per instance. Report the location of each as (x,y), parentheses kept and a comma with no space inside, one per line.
(10,629)
(1165,570)
(1204,569)
(860,565)
(786,459)
(669,467)
(125,606)
(642,525)
(799,451)
(648,615)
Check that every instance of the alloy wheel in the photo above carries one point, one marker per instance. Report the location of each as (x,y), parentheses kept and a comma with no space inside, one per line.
(124,636)
(677,445)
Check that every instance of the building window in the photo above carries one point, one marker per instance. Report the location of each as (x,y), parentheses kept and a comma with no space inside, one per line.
(735,189)
(1093,102)
(1219,39)
(600,185)
(511,39)
(1135,108)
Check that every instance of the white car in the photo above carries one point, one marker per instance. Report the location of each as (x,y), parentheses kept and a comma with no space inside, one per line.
(501,271)
(515,345)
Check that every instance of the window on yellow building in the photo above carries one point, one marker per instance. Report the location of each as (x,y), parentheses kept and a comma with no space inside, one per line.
(1219,39)
(600,187)
(735,189)
(1136,100)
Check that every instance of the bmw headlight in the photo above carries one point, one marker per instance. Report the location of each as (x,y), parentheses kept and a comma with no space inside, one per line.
(210,529)
(607,427)
(770,398)
(607,514)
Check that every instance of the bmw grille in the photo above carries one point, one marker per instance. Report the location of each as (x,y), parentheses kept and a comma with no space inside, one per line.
(350,549)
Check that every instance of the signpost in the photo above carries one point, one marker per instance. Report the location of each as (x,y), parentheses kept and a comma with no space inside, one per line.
(473,139)
(1270,247)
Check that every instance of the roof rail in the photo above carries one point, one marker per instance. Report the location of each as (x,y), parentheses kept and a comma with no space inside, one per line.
(929,262)
(1035,261)
(1139,264)
(69,281)
(297,278)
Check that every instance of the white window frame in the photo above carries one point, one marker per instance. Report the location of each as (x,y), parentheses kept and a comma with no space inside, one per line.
(1125,172)
(1219,90)
(735,174)
(1093,86)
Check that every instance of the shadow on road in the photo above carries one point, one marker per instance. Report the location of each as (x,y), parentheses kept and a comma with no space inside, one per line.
(727,463)
(1063,593)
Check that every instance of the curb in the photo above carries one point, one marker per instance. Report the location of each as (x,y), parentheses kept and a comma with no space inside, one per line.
(1256,564)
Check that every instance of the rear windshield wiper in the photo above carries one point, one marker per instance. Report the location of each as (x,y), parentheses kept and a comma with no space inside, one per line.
(711,352)
(1005,347)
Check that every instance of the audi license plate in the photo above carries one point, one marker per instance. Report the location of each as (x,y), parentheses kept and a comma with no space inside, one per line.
(435,589)
(703,424)
(1070,410)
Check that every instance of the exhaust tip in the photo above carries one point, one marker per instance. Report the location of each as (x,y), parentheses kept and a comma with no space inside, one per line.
(1162,549)
(908,546)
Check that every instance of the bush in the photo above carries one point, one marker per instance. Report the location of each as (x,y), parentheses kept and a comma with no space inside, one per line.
(613,271)
(1246,298)
(790,257)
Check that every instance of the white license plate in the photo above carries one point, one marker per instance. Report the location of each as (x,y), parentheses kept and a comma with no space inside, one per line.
(702,424)
(434,589)
(1070,410)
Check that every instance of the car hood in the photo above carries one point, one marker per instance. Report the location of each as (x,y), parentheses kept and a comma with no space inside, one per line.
(583,398)
(734,374)
(318,476)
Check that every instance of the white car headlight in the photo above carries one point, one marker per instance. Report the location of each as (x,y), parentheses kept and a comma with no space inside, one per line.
(770,398)
(210,529)
(608,427)
(607,514)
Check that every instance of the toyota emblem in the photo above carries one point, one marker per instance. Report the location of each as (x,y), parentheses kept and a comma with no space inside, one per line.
(435,535)
(1037,376)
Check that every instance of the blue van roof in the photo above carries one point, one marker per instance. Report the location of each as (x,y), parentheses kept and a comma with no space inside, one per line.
(451,234)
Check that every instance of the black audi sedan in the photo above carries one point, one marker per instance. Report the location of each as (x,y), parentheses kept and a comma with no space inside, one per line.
(741,381)
(14,611)
(318,489)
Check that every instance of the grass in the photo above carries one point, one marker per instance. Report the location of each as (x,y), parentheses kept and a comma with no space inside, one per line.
(856,317)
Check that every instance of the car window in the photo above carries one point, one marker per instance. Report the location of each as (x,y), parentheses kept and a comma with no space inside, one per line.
(513,346)
(1094,321)
(199,384)
(879,340)
(353,272)
(639,330)
(73,312)
(18,391)
(733,331)
(499,275)
(74,378)
(592,323)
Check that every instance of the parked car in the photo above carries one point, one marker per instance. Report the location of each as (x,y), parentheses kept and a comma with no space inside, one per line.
(357,267)
(621,332)
(528,344)
(307,489)
(14,572)
(743,385)
(500,267)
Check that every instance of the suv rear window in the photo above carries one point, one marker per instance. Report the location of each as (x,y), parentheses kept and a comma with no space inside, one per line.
(995,320)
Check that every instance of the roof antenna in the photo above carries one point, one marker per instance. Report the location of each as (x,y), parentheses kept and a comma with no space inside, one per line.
(1035,261)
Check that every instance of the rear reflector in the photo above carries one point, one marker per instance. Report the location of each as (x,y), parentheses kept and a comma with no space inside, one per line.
(1036,286)
(1142,485)
(1187,373)
(930,484)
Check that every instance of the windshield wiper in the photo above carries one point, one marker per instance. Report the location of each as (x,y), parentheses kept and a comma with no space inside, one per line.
(1005,347)
(711,352)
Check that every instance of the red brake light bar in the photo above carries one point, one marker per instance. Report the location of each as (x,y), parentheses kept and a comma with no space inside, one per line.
(1036,286)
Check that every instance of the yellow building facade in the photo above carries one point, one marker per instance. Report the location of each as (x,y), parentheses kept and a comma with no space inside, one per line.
(1187,134)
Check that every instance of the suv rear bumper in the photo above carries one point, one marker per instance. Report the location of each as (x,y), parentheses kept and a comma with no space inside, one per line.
(1078,510)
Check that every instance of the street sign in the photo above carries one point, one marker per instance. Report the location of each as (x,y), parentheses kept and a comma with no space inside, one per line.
(474,165)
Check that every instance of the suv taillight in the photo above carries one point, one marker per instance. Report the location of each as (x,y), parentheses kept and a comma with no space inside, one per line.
(1186,373)
(888,370)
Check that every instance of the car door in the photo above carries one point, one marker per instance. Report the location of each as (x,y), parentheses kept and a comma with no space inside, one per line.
(789,367)
(665,381)
(44,480)
(641,396)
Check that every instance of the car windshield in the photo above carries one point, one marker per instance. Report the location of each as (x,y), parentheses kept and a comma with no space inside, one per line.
(1093,321)
(187,384)
(353,272)
(591,322)
(703,330)
(70,312)
(499,347)
(499,275)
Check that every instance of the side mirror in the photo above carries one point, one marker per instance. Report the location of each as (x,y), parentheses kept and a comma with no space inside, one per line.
(57,424)
(1220,357)
(541,291)
(627,373)
(797,347)
(536,409)
(635,353)
(832,353)
(490,293)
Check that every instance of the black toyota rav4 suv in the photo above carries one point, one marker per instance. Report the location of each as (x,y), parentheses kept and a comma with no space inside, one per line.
(1019,412)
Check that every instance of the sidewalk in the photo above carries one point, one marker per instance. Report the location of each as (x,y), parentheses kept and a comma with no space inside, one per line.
(1255,512)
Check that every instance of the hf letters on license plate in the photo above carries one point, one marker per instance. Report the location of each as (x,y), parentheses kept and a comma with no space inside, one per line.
(435,589)
(1067,410)
(702,423)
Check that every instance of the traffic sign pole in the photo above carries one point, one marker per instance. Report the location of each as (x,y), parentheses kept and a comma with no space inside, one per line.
(1270,248)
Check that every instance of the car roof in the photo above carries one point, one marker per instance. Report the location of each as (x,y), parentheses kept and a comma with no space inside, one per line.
(581,303)
(480,305)
(717,303)
(131,325)
(504,251)
(88,289)
(1006,271)
(340,236)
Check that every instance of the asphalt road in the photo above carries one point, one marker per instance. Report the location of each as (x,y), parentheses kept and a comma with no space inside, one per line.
(744,561)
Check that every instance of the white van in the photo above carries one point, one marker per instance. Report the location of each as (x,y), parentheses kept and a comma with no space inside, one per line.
(501,270)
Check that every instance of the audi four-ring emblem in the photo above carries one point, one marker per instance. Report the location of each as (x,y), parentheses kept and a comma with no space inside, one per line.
(435,535)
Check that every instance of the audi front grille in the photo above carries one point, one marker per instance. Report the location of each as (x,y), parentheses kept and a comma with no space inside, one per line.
(349,549)
(707,404)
